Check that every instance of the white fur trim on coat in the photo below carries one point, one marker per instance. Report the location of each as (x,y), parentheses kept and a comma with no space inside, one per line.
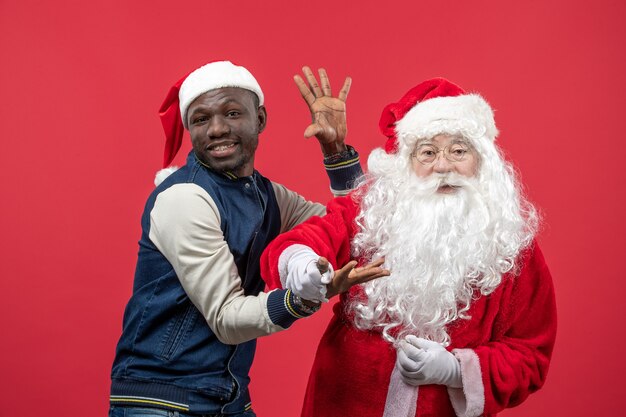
(468,401)
(401,397)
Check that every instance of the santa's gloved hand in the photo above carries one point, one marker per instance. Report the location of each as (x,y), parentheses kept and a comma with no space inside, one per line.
(423,362)
(303,276)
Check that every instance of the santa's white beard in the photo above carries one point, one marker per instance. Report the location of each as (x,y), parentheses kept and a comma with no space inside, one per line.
(441,249)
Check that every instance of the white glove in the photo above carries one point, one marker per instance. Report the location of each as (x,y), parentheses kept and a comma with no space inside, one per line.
(303,277)
(422,362)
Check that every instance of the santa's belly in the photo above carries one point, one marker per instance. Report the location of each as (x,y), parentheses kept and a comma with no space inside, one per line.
(350,377)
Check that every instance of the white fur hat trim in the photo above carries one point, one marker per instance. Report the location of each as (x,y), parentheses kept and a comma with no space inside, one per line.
(215,75)
(469,109)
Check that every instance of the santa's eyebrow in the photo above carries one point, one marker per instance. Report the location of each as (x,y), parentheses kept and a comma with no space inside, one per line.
(427,141)
(456,139)
(459,138)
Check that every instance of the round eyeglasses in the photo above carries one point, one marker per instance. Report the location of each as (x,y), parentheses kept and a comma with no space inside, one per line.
(426,154)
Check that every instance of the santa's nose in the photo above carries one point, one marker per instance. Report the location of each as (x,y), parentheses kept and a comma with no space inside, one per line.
(442,165)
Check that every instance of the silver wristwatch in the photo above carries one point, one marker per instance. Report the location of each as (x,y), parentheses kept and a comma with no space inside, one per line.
(297,301)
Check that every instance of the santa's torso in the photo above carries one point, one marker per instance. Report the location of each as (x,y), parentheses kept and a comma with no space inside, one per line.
(352,368)
(504,349)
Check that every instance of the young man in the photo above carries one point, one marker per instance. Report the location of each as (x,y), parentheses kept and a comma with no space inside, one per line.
(197,306)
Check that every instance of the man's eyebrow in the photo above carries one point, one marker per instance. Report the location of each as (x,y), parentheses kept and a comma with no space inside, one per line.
(231,101)
(223,103)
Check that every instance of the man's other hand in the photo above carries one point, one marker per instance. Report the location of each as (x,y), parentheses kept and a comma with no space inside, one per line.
(349,275)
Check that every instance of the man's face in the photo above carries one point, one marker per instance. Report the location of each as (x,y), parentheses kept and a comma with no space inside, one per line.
(224,125)
(450,153)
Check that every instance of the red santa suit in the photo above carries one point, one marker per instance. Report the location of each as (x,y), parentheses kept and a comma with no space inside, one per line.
(504,348)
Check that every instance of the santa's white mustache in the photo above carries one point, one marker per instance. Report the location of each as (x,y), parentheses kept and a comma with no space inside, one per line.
(437,180)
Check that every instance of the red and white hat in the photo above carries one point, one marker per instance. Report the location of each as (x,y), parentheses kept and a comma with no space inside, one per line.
(209,77)
(435,102)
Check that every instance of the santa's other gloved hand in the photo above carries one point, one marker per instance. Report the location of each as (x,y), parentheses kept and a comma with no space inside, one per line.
(303,276)
(423,362)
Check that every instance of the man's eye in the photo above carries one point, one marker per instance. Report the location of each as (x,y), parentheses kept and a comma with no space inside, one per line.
(199,119)
(427,152)
(459,151)
(233,113)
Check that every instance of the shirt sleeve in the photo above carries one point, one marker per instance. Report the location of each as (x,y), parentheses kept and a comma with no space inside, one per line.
(294,209)
(185,227)
(502,373)
(344,170)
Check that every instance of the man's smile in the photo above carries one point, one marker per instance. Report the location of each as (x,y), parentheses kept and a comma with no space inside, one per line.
(222,149)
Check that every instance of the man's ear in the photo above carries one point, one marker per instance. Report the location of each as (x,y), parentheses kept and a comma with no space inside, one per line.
(262,117)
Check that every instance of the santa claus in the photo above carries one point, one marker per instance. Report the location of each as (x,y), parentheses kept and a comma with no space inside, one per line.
(465,323)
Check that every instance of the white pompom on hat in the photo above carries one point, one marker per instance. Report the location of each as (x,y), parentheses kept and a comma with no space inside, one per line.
(162,174)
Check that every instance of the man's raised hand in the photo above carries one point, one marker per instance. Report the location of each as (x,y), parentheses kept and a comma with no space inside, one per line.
(328,113)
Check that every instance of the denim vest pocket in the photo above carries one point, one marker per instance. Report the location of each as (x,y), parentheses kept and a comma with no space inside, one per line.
(177,330)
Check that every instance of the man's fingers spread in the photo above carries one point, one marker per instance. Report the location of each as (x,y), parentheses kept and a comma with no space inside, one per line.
(347,268)
(372,277)
(370,270)
(343,93)
(312,81)
(376,274)
(363,275)
(366,278)
(377,262)
(325,82)
(305,92)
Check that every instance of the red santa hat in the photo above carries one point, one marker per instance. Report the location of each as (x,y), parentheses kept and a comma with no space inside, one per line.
(214,75)
(435,101)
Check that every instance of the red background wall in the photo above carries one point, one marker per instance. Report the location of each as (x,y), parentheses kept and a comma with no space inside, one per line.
(80,85)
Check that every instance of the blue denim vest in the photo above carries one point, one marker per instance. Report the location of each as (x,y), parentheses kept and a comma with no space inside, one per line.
(167,356)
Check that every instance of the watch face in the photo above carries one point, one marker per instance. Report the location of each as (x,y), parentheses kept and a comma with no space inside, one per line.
(312,309)
(297,300)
